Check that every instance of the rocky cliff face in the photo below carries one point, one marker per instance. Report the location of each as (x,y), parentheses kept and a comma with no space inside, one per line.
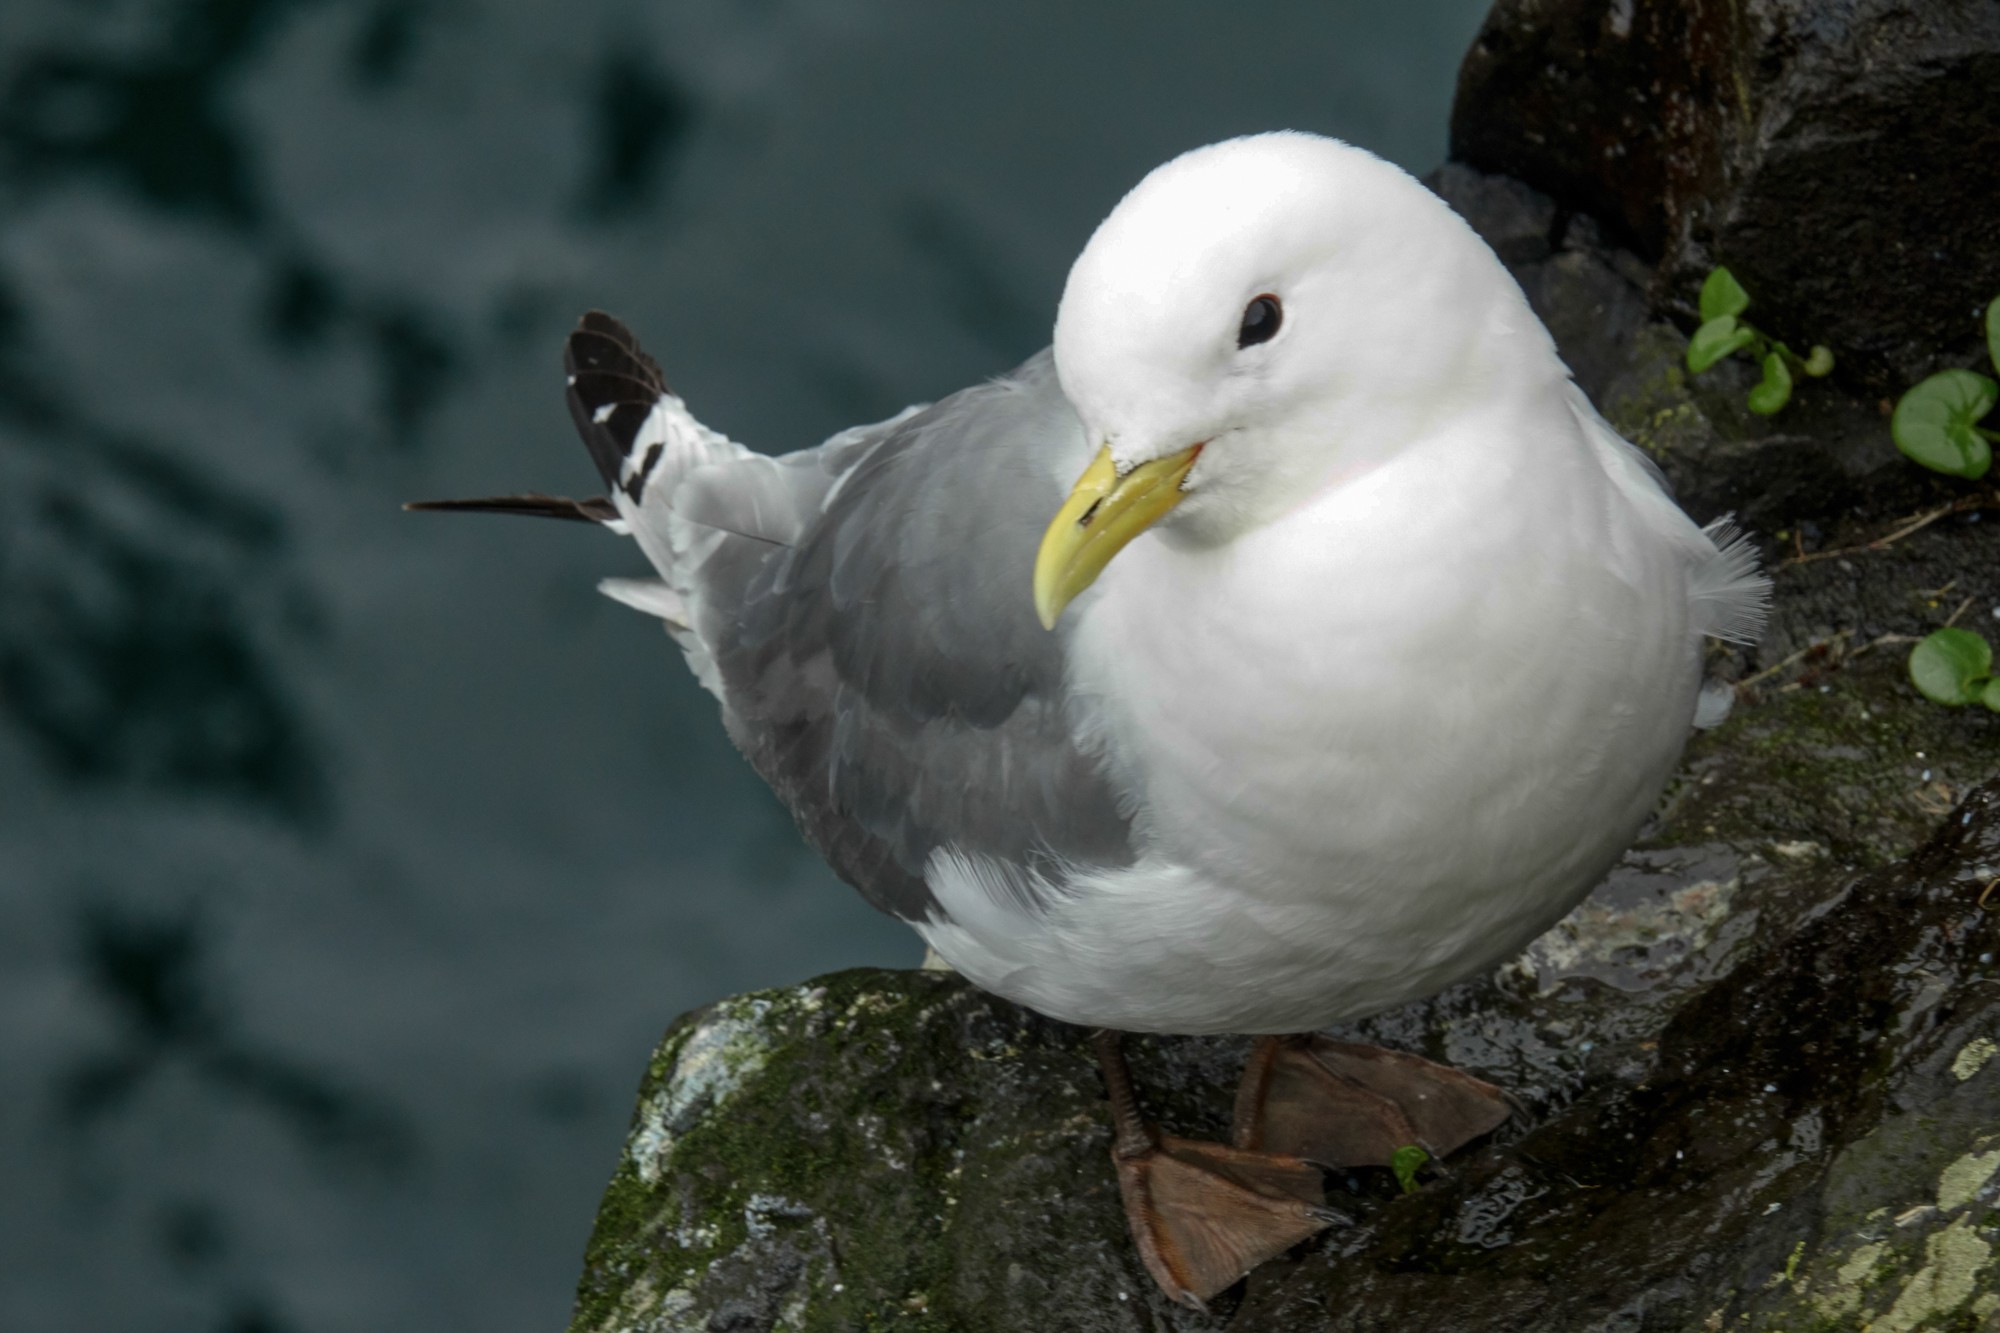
(1829,153)
(1758,1065)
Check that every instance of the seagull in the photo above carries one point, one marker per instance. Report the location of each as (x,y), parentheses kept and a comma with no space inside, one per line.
(1289,641)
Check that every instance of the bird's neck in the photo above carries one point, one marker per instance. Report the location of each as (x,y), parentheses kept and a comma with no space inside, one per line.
(1344,440)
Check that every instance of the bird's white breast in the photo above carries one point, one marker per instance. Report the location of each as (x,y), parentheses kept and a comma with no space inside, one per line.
(1375,747)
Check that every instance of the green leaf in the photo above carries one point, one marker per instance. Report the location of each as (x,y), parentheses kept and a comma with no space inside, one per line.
(1933,423)
(1951,666)
(1775,390)
(1820,364)
(1990,696)
(1404,1162)
(1715,340)
(1722,294)
(1993,332)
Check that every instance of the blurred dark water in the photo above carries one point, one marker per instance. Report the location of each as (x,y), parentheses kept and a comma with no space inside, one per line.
(349,860)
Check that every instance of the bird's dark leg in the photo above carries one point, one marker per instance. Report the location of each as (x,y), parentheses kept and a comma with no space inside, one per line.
(1341,1104)
(1203,1214)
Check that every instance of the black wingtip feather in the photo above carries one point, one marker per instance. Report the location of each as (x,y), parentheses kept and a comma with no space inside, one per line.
(607,368)
(596,509)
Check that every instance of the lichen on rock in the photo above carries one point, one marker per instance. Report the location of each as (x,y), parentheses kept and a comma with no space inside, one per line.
(708,1065)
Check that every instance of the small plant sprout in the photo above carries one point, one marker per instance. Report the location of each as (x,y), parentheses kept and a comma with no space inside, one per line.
(1724,332)
(1955,667)
(1405,1162)
(1936,423)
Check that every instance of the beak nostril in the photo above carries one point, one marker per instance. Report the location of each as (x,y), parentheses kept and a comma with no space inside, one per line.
(1083,519)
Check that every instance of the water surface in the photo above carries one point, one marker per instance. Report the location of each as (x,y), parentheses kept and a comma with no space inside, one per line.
(350,861)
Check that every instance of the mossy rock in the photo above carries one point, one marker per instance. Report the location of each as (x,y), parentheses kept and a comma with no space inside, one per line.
(871,1149)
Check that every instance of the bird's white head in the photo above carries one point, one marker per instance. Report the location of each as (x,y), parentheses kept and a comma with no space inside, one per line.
(1256,321)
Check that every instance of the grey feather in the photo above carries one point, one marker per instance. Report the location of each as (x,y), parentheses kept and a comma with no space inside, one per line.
(875,639)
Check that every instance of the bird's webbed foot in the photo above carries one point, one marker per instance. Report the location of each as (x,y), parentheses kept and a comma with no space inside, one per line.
(1204,1214)
(1345,1105)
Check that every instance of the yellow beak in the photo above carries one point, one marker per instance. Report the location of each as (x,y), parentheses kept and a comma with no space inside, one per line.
(1104,511)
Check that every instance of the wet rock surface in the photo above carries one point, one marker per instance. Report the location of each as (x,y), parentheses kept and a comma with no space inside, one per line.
(1757,1067)
(1825,152)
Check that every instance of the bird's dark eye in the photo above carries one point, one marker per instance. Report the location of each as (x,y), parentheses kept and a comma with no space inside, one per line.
(1261,319)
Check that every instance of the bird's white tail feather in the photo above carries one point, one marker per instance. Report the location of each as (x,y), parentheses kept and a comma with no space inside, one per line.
(687,446)
(1730,596)
(677,447)
(652,596)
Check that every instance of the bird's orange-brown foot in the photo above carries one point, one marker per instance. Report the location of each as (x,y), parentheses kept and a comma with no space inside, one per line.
(1204,1214)
(1344,1105)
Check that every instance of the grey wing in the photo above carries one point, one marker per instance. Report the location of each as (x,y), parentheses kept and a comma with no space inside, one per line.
(879,659)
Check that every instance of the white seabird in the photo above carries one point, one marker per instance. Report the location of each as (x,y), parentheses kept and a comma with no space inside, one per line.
(1359,650)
